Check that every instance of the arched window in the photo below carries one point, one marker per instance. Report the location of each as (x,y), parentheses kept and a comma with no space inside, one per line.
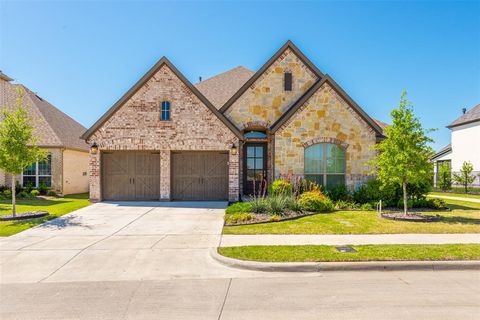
(325,164)
(165,112)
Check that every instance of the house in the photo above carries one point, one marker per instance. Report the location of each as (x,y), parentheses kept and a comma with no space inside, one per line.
(66,169)
(167,139)
(464,146)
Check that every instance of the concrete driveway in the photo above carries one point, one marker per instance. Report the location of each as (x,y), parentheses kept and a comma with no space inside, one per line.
(119,241)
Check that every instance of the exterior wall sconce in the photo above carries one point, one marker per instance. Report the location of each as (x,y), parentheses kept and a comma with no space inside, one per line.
(233,150)
(94,148)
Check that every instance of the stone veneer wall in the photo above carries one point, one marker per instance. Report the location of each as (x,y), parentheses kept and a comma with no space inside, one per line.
(137,126)
(266,100)
(325,117)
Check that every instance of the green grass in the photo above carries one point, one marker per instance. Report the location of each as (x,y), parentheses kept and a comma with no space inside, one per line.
(451,194)
(463,218)
(56,207)
(393,252)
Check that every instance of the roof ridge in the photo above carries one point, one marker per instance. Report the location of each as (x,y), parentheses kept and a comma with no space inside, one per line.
(221,74)
(266,65)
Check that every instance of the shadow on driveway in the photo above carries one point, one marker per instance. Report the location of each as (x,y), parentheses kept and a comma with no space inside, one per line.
(172,204)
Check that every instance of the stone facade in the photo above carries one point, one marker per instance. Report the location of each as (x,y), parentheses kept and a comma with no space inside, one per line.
(136,125)
(325,117)
(266,100)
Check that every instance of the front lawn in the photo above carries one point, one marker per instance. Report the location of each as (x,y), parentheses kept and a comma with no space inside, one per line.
(452,194)
(463,218)
(55,206)
(313,253)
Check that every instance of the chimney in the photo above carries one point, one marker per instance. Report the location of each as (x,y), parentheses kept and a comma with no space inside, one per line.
(464,110)
(200,79)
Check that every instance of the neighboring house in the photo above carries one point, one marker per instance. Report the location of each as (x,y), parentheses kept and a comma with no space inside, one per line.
(464,146)
(66,169)
(167,139)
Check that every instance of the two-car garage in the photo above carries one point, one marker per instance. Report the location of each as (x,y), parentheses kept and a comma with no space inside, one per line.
(194,175)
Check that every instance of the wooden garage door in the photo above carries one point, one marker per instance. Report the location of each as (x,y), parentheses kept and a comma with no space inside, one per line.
(131,175)
(199,175)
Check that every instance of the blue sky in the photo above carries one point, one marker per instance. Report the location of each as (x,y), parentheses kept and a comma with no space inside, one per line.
(83,56)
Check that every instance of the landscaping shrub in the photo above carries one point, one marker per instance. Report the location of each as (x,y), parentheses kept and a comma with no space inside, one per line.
(7,193)
(366,207)
(3,187)
(341,204)
(293,204)
(276,205)
(51,193)
(315,201)
(238,217)
(23,194)
(340,192)
(281,187)
(437,204)
(43,189)
(28,187)
(18,188)
(34,193)
(239,207)
(275,218)
(259,205)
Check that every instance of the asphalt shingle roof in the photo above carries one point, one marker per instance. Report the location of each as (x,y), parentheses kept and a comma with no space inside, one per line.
(469,116)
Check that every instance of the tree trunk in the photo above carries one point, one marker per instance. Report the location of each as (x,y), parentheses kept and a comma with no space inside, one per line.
(404,186)
(14,211)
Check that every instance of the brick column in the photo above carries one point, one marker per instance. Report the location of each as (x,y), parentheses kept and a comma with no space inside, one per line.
(95,178)
(165,175)
(233,177)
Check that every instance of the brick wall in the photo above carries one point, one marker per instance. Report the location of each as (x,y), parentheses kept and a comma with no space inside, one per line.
(325,117)
(136,126)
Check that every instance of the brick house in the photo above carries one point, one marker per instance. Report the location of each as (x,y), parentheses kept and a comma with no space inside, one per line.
(167,139)
(66,169)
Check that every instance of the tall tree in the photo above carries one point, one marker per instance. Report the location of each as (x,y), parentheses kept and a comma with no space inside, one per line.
(444,176)
(17,141)
(404,156)
(465,176)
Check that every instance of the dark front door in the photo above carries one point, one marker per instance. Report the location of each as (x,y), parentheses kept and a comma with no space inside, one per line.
(199,175)
(254,168)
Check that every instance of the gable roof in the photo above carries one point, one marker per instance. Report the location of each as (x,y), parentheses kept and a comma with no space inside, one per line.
(311,91)
(470,116)
(288,44)
(163,61)
(55,128)
(221,87)
(443,151)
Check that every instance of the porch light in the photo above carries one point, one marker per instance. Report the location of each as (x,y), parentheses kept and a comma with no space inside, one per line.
(94,148)
(233,150)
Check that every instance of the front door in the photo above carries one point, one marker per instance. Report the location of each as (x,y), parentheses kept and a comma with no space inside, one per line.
(254,168)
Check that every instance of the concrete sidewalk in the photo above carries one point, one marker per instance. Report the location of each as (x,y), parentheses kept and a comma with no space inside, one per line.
(454,198)
(354,239)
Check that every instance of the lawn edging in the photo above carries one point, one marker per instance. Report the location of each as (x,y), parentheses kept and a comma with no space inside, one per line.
(344,266)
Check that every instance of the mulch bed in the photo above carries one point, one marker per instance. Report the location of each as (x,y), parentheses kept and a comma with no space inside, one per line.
(410,216)
(265,218)
(24,216)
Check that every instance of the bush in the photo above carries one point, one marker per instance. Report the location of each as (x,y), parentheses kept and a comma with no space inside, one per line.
(34,193)
(339,193)
(277,205)
(43,188)
(7,193)
(366,207)
(293,204)
(4,187)
(275,218)
(437,204)
(51,193)
(281,187)
(18,188)
(259,205)
(315,201)
(341,204)
(239,207)
(23,194)
(238,217)
(28,187)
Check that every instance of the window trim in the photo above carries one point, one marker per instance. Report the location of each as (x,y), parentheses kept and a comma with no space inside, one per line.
(37,175)
(324,172)
(165,108)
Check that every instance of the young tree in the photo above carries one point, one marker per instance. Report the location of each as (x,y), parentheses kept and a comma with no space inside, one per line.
(404,157)
(465,176)
(17,142)
(445,176)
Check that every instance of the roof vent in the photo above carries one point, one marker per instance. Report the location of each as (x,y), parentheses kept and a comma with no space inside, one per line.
(200,79)
(464,110)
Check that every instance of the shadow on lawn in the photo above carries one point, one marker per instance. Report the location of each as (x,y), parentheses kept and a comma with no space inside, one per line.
(461,207)
(461,220)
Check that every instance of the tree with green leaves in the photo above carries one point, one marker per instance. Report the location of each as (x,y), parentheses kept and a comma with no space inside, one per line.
(444,175)
(465,176)
(17,141)
(404,156)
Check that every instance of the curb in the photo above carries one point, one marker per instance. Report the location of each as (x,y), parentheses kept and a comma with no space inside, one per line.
(344,266)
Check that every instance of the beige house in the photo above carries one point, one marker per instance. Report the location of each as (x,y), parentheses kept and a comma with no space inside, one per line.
(167,139)
(66,169)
